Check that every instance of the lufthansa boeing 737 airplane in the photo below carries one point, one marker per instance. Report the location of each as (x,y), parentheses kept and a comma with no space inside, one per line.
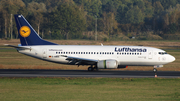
(97,57)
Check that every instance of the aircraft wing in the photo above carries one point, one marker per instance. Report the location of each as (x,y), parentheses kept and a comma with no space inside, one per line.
(19,47)
(80,61)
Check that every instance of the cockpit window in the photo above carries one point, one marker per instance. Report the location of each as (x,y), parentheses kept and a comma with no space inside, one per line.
(162,53)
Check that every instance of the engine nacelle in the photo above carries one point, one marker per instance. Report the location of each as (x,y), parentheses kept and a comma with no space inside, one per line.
(110,64)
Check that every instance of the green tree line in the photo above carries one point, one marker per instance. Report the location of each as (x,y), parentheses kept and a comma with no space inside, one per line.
(76,19)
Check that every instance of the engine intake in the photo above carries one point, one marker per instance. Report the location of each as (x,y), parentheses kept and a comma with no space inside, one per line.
(109,64)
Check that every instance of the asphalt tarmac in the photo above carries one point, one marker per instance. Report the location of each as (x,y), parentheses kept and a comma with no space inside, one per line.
(85,73)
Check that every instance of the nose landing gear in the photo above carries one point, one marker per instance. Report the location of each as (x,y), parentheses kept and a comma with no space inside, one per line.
(155,70)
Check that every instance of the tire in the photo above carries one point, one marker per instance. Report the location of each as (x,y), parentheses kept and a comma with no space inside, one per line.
(90,69)
(154,70)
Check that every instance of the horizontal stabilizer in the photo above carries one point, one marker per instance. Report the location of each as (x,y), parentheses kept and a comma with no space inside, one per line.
(19,47)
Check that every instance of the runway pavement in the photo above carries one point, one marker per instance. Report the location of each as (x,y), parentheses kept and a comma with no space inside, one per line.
(85,73)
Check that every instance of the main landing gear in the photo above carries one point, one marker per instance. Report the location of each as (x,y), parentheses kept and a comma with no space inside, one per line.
(91,68)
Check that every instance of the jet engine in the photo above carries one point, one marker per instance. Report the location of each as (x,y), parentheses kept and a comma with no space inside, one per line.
(109,64)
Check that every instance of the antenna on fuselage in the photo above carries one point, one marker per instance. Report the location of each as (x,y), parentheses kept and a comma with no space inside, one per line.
(101,44)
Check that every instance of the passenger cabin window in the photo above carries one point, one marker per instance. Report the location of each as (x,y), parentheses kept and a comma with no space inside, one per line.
(106,53)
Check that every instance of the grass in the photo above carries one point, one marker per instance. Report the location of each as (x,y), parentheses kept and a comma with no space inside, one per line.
(89,89)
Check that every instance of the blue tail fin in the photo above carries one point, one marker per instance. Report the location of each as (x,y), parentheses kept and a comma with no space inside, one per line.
(27,34)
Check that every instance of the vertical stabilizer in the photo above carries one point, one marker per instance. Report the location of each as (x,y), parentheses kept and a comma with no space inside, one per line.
(27,34)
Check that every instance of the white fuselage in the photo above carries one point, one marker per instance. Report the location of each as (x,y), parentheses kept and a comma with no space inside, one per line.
(124,55)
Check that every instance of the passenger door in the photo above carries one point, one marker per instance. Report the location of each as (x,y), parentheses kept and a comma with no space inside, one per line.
(44,53)
(150,54)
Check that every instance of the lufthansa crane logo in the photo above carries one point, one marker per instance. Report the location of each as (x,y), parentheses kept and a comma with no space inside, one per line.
(24,31)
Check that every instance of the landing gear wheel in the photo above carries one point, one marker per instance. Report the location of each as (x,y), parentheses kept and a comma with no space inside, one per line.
(90,69)
(154,70)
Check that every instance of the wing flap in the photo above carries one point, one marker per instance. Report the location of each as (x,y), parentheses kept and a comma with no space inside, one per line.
(79,60)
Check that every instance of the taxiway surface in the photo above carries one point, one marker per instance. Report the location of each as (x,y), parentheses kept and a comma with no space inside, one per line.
(85,73)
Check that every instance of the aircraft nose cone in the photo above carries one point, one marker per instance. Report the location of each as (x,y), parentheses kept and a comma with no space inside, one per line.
(172,58)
